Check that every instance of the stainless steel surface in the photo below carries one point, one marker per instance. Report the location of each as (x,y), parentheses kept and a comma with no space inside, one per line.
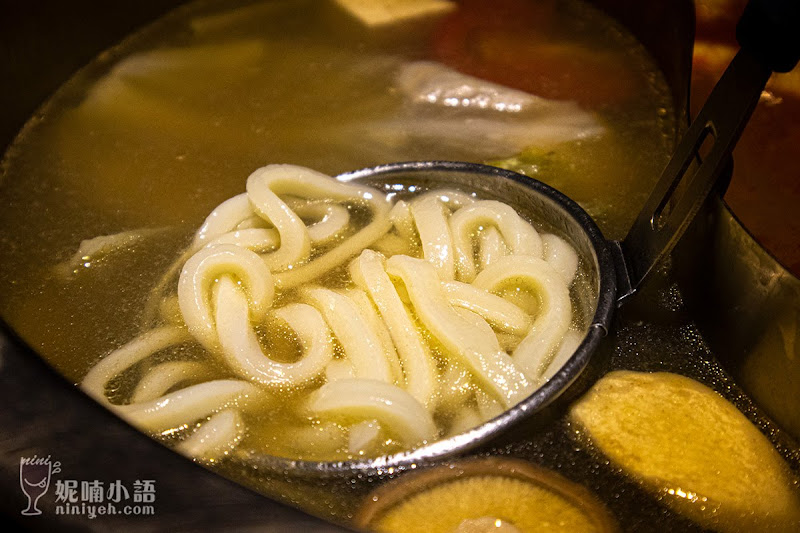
(748,307)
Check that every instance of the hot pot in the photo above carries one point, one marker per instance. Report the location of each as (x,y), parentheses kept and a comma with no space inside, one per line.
(44,415)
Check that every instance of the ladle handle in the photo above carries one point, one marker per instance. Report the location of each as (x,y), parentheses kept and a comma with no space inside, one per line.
(769,29)
(769,40)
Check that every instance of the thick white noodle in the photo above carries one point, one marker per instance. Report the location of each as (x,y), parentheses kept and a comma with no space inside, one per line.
(235,222)
(554,314)
(252,222)
(351,247)
(223,219)
(455,386)
(187,405)
(518,234)
(491,247)
(466,419)
(97,248)
(370,314)
(482,355)
(317,440)
(362,436)
(199,274)
(215,438)
(367,399)
(392,244)
(430,217)
(500,313)
(264,187)
(368,271)
(332,219)
(124,357)
(163,377)
(259,240)
(570,343)
(226,217)
(452,198)
(361,344)
(242,352)
(402,221)
(561,256)
(488,407)
(151,410)
(339,369)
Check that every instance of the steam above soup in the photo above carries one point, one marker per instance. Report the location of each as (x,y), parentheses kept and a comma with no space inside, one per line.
(391,322)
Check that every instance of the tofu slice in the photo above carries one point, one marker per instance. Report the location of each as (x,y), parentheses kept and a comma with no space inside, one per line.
(382,13)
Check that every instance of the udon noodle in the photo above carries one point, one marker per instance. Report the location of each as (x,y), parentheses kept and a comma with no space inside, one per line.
(447,310)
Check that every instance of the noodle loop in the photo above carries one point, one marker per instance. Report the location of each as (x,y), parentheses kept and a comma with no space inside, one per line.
(518,234)
(202,269)
(369,399)
(555,311)
(243,353)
